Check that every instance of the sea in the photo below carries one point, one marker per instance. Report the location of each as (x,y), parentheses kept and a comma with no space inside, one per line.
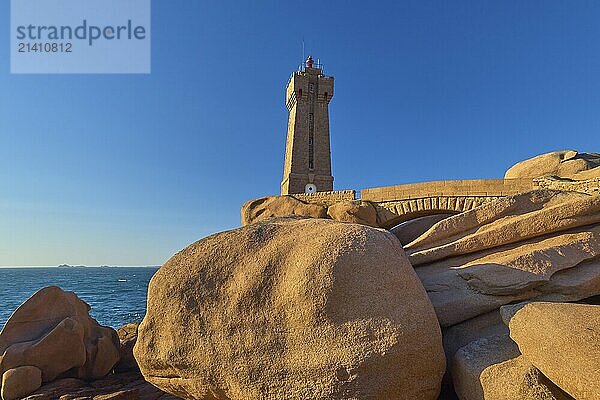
(117,295)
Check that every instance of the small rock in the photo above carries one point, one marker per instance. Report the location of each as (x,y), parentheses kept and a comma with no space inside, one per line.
(460,335)
(127,336)
(508,311)
(279,206)
(60,350)
(21,381)
(408,231)
(128,385)
(470,361)
(518,379)
(358,212)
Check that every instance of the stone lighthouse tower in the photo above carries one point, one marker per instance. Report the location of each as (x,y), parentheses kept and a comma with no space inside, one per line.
(307,167)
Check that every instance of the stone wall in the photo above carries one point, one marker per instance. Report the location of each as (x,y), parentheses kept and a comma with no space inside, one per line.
(326,198)
(457,188)
(591,186)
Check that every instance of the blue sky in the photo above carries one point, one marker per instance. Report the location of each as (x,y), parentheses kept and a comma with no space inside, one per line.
(128,169)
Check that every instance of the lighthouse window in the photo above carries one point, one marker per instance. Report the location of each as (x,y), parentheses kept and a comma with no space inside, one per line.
(311,141)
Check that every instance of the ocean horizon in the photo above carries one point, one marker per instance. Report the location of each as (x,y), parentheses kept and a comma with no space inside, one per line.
(116,294)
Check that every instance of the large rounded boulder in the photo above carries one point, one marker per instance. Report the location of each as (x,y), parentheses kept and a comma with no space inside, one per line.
(291,309)
(563,164)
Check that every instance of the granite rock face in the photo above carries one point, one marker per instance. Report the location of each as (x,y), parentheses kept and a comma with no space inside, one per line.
(460,335)
(19,382)
(482,266)
(279,206)
(542,245)
(127,337)
(563,164)
(53,332)
(357,212)
(470,361)
(288,309)
(562,340)
(412,229)
(518,379)
(493,368)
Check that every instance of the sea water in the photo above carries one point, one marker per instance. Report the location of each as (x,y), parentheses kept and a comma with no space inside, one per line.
(117,295)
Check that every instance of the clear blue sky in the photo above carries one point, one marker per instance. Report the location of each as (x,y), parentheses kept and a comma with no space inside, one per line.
(128,169)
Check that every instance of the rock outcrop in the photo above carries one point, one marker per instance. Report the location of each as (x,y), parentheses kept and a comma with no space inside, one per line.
(563,341)
(53,332)
(291,308)
(542,245)
(412,229)
(121,386)
(279,206)
(481,266)
(358,212)
(124,383)
(563,164)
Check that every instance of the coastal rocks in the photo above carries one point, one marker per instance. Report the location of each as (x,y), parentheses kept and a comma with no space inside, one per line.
(127,337)
(471,360)
(563,164)
(454,300)
(408,231)
(19,382)
(506,221)
(53,331)
(485,363)
(460,335)
(563,341)
(518,379)
(126,383)
(288,309)
(358,212)
(538,245)
(279,206)
(120,386)
(55,353)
